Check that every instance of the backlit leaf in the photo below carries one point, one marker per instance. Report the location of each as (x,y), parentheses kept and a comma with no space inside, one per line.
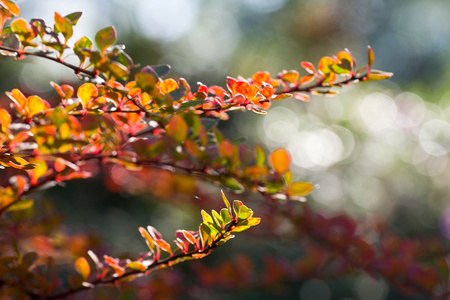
(300,189)
(163,245)
(189,237)
(82,267)
(11,7)
(105,38)
(147,237)
(280,160)
(87,92)
(206,217)
(290,76)
(370,56)
(233,184)
(227,203)
(74,17)
(379,75)
(64,26)
(244,212)
(168,86)
(36,105)
(177,128)
(138,266)
(309,67)
(21,204)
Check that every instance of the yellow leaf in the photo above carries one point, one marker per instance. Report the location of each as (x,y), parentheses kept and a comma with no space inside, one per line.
(86,92)
(300,189)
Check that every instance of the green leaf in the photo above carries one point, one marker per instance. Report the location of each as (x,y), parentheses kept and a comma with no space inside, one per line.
(217,219)
(225,215)
(105,38)
(21,204)
(206,217)
(81,47)
(244,212)
(192,103)
(236,205)
(233,184)
(74,17)
(205,236)
(146,81)
(260,156)
(227,203)
(64,26)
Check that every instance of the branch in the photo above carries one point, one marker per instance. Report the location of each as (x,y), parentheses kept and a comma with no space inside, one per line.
(21,53)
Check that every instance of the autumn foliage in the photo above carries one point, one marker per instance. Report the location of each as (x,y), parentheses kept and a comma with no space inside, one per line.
(133,119)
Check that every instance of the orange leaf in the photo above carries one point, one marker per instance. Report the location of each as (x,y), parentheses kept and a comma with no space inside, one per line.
(167,86)
(82,267)
(280,160)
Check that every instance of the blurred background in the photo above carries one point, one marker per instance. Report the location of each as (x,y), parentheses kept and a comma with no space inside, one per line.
(376,149)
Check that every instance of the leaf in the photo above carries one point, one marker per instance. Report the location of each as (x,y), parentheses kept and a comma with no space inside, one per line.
(191,103)
(74,17)
(280,160)
(146,81)
(148,238)
(105,38)
(379,75)
(86,92)
(161,70)
(118,70)
(167,86)
(206,217)
(36,105)
(290,76)
(177,128)
(12,7)
(82,267)
(135,265)
(309,67)
(300,189)
(260,156)
(217,219)
(227,203)
(244,212)
(21,204)
(301,96)
(81,46)
(233,184)
(205,235)
(189,237)
(370,56)
(163,245)
(64,26)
